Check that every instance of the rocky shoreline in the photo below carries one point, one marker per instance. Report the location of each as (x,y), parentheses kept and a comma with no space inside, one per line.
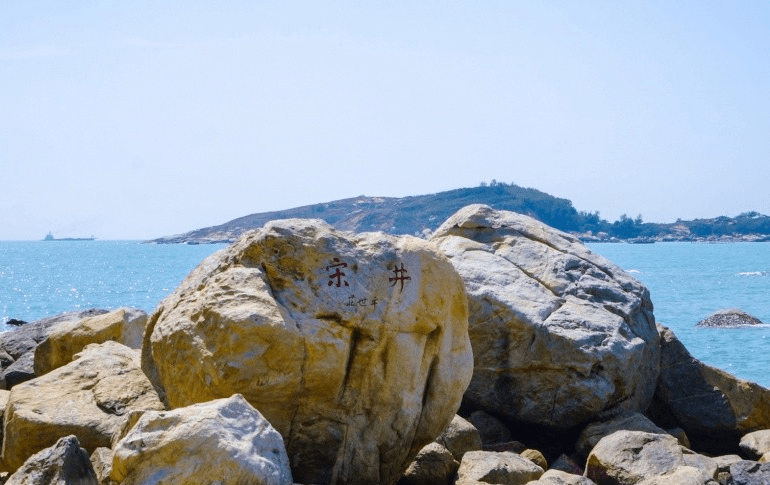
(724,239)
(499,351)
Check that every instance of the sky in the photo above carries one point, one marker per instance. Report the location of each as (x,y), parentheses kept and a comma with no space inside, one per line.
(141,119)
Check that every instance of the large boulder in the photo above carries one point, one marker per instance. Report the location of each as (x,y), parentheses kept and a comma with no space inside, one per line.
(223,441)
(124,325)
(64,463)
(729,317)
(715,408)
(90,398)
(355,347)
(560,335)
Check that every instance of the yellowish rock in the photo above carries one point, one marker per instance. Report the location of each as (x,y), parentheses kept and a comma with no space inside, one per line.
(90,398)
(354,346)
(124,325)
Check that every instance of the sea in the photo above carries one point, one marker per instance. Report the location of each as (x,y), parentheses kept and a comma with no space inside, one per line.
(687,282)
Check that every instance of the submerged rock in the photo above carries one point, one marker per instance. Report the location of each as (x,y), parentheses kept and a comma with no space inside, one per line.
(730,317)
(560,335)
(354,347)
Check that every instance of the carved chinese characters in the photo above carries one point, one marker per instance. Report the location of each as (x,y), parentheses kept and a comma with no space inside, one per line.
(353,346)
(336,280)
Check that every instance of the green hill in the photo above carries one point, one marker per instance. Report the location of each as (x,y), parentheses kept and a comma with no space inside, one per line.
(421,214)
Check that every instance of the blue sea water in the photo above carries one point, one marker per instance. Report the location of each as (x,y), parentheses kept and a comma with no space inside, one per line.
(45,278)
(687,283)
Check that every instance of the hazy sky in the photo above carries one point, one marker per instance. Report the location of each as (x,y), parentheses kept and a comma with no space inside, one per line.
(134,120)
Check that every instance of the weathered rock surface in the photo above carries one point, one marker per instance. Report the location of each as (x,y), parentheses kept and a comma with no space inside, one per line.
(560,335)
(101,459)
(683,475)
(750,473)
(729,317)
(715,408)
(124,325)
(558,477)
(433,465)
(223,441)
(501,468)
(629,421)
(460,437)
(17,346)
(629,457)
(756,444)
(89,397)
(354,347)
(65,463)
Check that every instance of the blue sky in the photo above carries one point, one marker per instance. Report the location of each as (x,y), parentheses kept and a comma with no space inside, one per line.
(134,120)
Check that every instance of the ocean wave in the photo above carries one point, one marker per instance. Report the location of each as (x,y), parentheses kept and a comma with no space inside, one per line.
(634,271)
(754,273)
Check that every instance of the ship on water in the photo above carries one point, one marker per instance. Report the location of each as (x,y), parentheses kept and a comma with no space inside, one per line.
(49,237)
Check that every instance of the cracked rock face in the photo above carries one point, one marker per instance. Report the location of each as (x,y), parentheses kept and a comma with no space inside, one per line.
(354,347)
(559,334)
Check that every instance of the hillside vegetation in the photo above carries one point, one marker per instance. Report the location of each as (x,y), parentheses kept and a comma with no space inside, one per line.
(420,215)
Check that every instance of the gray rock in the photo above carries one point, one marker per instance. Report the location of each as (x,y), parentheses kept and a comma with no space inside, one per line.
(756,444)
(558,477)
(629,421)
(491,430)
(750,473)
(714,408)
(22,370)
(223,441)
(730,317)
(632,456)
(65,463)
(460,437)
(433,465)
(683,475)
(566,464)
(560,335)
(500,468)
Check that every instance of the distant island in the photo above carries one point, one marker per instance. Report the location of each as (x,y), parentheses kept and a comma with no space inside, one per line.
(422,214)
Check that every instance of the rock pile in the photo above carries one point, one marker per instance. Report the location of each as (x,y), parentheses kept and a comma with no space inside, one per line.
(301,354)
